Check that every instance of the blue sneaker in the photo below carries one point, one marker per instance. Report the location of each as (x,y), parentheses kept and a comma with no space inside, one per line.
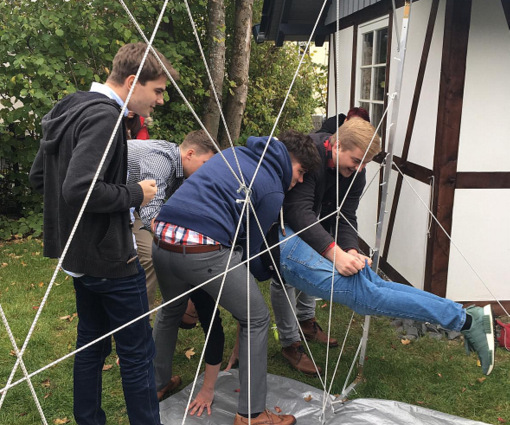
(480,336)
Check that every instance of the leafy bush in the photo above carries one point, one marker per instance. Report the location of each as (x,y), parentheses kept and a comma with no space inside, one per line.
(50,49)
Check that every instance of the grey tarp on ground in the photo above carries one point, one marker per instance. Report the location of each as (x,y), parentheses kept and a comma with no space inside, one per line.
(289,395)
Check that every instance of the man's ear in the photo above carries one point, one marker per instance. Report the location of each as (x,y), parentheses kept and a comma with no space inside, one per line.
(129,81)
(189,153)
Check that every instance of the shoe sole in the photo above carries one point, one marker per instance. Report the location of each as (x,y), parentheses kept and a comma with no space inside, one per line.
(487,311)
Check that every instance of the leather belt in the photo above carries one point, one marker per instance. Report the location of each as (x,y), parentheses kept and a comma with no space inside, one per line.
(186,249)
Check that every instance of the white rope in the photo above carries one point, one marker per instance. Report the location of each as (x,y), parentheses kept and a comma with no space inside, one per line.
(239,179)
(22,364)
(282,283)
(289,90)
(431,214)
(213,87)
(82,209)
(224,276)
(337,221)
(341,352)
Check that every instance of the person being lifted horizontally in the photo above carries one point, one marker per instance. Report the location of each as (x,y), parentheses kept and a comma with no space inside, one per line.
(306,260)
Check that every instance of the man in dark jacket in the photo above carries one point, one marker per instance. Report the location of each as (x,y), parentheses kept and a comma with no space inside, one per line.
(208,226)
(302,207)
(108,279)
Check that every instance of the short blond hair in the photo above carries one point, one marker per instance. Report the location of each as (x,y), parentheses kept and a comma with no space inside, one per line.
(357,133)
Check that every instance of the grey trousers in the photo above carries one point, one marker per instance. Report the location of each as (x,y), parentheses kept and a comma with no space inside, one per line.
(303,304)
(177,273)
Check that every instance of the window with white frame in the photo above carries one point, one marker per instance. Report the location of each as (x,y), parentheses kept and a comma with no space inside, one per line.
(371,70)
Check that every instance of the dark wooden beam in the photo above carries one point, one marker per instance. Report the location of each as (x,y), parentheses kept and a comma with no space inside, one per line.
(386,267)
(408,168)
(354,65)
(451,92)
(483,180)
(506,9)
(412,118)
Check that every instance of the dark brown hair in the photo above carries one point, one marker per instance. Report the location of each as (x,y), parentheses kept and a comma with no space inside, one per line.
(128,59)
(302,148)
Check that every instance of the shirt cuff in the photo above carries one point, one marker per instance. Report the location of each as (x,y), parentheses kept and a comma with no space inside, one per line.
(331,245)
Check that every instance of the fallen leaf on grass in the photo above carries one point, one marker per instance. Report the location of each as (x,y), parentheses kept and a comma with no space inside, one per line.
(35,307)
(501,420)
(463,389)
(190,353)
(12,353)
(46,395)
(277,409)
(439,375)
(324,305)
(308,397)
(61,421)
(481,379)
(5,265)
(405,341)
(420,402)
(107,366)
(69,317)
(46,383)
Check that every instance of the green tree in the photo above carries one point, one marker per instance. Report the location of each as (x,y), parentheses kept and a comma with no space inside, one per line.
(53,48)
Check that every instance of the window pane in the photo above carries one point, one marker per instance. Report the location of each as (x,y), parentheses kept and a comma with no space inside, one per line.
(379,83)
(368,44)
(366,77)
(382,46)
(377,111)
(365,106)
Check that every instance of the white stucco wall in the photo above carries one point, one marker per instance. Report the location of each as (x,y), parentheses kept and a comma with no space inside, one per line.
(480,217)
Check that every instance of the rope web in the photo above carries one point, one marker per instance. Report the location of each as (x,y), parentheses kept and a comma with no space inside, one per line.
(248,213)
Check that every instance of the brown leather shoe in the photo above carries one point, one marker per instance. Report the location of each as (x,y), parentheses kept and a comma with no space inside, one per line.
(299,360)
(172,385)
(266,418)
(313,332)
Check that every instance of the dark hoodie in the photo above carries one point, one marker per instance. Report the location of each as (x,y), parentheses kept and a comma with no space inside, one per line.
(75,135)
(210,201)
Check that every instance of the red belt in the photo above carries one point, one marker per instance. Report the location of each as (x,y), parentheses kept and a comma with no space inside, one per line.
(186,249)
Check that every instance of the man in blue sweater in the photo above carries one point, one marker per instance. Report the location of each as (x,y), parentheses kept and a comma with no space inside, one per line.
(108,279)
(215,220)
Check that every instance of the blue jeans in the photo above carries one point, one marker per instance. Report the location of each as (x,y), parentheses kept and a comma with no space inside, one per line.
(365,292)
(103,305)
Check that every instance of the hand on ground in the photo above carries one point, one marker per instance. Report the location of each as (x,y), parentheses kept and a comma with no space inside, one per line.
(202,402)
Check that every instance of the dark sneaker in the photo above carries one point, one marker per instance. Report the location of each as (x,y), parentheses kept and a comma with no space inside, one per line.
(480,336)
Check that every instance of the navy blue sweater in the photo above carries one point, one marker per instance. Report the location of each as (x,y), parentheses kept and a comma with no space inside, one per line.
(210,201)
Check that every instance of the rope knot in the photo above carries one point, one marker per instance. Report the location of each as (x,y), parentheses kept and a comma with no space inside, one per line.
(245,189)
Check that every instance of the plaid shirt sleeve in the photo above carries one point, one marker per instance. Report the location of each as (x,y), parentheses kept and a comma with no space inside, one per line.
(165,167)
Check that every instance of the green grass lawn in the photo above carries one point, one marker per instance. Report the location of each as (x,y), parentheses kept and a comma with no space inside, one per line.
(429,373)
